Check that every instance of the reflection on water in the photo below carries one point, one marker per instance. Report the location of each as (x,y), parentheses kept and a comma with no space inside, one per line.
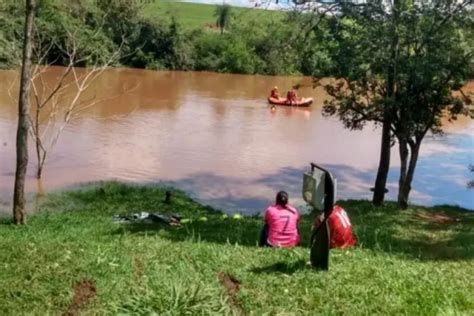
(214,136)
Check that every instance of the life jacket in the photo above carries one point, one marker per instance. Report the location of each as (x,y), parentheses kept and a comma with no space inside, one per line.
(291,96)
(274,94)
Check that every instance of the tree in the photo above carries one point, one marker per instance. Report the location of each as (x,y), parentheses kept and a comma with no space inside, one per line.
(399,66)
(19,212)
(385,142)
(58,103)
(223,14)
(316,29)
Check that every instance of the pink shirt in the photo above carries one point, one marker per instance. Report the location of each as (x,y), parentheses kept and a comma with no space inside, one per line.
(282,225)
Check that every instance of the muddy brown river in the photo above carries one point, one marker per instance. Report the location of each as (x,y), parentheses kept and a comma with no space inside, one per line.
(214,136)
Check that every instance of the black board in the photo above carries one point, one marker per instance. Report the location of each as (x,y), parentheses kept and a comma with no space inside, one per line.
(320,238)
(319,254)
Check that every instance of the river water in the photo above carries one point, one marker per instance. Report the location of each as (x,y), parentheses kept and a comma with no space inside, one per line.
(214,136)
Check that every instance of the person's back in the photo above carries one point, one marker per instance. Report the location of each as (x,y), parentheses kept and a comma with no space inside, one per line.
(274,93)
(340,228)
(295,94)
(282,226)
(291,96)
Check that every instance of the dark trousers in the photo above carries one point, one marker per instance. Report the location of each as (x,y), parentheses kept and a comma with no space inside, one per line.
(263,241)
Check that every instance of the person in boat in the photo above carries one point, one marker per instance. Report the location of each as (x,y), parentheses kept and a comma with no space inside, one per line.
(292,95)
(274,93)
(281,224)
(340,228)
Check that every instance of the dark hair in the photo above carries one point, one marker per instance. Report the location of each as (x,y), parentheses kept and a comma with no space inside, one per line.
(282,198)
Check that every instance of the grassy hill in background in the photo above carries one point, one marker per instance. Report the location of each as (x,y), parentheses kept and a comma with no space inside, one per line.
(195,15)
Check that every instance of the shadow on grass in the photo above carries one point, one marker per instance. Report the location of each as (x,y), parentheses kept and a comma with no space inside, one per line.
(282,267)
(411,234)
(385,229)
(214,230)
(417,233)
(243,232)
(6,221)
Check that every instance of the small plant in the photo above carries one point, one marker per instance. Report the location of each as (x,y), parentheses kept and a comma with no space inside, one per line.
(223,14)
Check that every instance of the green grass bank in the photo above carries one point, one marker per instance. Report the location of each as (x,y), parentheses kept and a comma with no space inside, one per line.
(196,15)
(72,258)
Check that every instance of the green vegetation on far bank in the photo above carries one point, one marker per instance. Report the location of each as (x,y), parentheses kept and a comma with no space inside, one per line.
(72,257)
(162,35)
(172,35)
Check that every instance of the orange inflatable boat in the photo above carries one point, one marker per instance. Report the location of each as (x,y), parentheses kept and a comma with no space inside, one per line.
(304,102)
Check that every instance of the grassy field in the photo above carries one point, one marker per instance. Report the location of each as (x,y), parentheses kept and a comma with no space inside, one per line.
(194,15)
(71,257)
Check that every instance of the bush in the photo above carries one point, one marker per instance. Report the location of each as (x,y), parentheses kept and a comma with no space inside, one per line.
(208,51)
(11,34)
(238,58)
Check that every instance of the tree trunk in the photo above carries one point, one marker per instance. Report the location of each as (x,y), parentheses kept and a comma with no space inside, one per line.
(406,176)
(19,213)
(384,163)
(403,151)
(39,171)
(384,166)
(39,168)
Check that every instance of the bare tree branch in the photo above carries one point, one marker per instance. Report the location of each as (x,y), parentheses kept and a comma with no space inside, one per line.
(63,100)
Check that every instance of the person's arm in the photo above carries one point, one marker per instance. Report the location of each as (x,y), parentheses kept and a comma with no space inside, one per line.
(318,221)
(298,216)
(298,222)
(266,217)
(264,232)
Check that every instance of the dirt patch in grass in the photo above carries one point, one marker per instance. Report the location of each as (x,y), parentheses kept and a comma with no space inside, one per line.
(232,287)
(137,268)
(84,292)
(437,217)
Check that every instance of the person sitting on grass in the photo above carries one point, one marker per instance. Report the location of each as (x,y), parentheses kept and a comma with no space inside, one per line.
(281,224)
(340,228)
